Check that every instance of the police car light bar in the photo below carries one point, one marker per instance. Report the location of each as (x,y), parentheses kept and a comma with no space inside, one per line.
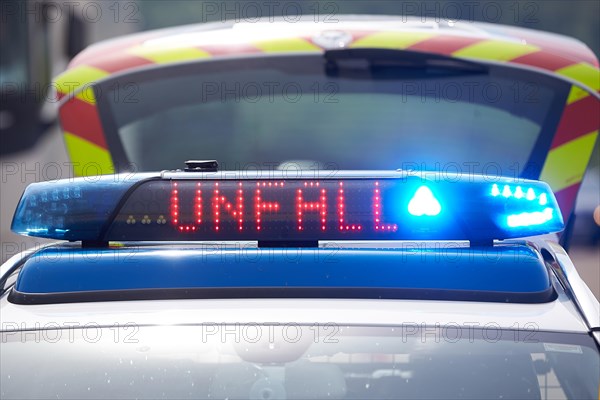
(351,206)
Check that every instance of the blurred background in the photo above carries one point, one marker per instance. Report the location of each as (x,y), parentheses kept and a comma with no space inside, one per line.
(39,37)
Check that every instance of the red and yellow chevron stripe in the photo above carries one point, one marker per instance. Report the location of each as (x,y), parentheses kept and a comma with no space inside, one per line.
(564,166)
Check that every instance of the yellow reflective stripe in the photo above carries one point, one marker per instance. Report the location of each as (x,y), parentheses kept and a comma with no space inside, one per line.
(73,80)
(576,94)
(392,40)
(87,95)
(584,73)
(287,44)
(497,50)
(82,151)
(566,164)
(166,55)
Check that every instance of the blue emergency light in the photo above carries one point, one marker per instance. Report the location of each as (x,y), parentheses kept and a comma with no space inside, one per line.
(350,206)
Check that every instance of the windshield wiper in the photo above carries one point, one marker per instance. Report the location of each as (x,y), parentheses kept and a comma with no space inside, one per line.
(394,64)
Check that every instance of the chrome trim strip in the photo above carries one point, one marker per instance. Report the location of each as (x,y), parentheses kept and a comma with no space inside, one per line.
(575,287)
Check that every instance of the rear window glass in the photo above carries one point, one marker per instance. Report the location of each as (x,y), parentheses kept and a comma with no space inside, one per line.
(281,111)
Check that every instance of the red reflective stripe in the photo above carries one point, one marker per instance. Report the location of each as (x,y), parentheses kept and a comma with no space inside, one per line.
(444,44)
(119,62)
(549,43)
(579,118)
(117,47)
(578,55)
(82,120)
(220,50)
(544,60)
(566,199)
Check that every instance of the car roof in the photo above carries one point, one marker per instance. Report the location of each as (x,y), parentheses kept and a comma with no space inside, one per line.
(559,313)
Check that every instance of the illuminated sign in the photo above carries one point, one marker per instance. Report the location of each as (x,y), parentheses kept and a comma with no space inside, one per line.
(288,210)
